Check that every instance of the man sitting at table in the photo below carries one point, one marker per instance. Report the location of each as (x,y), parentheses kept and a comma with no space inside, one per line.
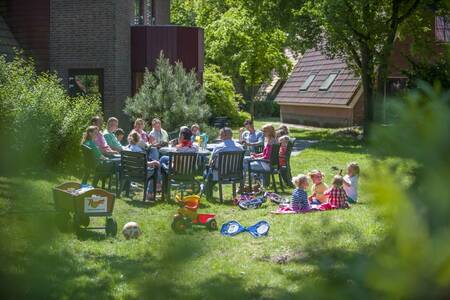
(109,134)
(252,137)
(227,145)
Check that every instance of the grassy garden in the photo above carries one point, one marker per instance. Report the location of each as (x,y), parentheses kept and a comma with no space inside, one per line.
(301,251)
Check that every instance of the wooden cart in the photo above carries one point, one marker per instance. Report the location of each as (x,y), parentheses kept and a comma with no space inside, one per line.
(75,205)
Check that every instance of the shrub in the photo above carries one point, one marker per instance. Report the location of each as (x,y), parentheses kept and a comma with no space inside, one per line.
(221,96)
(267,109)
(42,124)
(170,94)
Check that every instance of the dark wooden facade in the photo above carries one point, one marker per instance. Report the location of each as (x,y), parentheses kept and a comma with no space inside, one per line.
(178,43)
(29,21)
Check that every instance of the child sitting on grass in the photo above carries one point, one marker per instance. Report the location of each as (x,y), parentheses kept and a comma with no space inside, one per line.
(299,201)
(337,198)
(351,182)
(318,188)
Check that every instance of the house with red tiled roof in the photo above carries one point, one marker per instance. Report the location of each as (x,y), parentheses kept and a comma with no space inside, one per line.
(321,92)
(325,92)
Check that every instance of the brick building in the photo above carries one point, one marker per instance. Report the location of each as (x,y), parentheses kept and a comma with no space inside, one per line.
(324,92)
(100,46)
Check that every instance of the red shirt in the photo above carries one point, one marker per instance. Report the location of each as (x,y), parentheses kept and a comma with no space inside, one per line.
(283,150)
(336,197)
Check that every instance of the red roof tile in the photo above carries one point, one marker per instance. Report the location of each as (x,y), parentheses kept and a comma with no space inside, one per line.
(340,92)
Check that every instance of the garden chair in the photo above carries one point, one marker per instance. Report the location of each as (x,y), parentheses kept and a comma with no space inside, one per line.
(100,170)
(229,167)
(182,168)
(274,163)
(285,171)
(221,122)
(135,169)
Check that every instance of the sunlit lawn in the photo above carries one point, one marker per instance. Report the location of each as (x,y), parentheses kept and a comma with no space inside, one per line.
(300,252)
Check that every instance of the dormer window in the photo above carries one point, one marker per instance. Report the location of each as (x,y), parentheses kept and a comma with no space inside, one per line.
(442,29)
(328,82)
(308,82)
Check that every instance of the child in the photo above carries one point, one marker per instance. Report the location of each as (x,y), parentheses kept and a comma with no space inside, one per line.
(199,138)
(285,174)
(120,134)
(351,182)
(337,198)
(133,142)
(318,188)
(299,202)
(134,139)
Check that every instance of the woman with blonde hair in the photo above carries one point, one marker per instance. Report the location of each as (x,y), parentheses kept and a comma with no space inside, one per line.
(259,160)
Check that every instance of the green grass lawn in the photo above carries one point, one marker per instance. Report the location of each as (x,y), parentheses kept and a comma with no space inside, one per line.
(302,254)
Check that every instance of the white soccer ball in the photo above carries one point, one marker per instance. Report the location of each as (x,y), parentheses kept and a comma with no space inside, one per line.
(131,230)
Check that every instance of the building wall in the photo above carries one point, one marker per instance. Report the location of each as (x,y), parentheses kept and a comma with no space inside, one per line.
(161,10)
(88,34)
(317,116)
(29,23)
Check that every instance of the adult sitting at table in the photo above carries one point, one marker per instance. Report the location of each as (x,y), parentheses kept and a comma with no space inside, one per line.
(99,139)
(160,138)
(260,164)
(109,134)
(226,135)
(146,139)
(184,145)
(251,137)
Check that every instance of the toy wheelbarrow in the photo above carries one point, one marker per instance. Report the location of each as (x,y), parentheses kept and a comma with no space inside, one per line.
(76,204)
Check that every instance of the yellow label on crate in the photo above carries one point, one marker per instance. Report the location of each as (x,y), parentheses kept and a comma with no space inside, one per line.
(95,204)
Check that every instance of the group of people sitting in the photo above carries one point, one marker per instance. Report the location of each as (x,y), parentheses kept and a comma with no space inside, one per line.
(107,143)
(343,190)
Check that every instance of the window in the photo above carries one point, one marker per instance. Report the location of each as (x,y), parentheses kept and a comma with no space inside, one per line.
(308,82)
(328,82)
(143,12)
(86,82)
(442,29)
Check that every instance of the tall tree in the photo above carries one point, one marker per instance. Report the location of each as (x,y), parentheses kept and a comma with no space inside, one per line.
(363,33)
(238,41)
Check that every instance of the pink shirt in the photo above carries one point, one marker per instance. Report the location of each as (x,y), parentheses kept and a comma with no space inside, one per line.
(102,144)
(266,151)
(143,135)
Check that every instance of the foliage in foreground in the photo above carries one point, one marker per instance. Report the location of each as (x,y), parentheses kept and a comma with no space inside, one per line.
(170,94)
(40,123)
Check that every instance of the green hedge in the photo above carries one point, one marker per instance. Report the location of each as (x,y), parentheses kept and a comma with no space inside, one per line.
(41,126)
(267,109)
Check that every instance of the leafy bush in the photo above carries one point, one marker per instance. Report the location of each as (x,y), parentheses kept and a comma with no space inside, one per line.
(221,96)
(267,109)
(171,94)
(413,253)
(431,72)
(40,122)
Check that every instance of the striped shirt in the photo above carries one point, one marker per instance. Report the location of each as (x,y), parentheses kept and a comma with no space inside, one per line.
(299,200)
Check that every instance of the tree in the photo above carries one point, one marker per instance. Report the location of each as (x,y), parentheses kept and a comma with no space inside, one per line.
(236,41)
(221,96)
(362,32)
(170,94)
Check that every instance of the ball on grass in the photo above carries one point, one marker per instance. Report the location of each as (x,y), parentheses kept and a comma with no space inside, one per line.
(131,230)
